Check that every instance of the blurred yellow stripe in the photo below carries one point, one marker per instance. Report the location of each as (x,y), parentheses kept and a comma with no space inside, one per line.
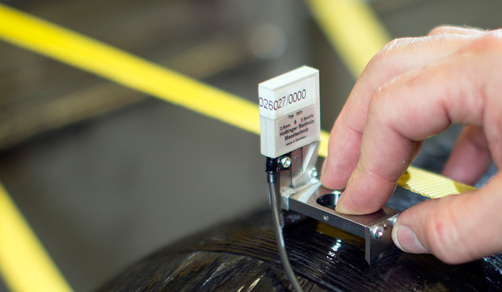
(24,263)
(352,28)
(85,53)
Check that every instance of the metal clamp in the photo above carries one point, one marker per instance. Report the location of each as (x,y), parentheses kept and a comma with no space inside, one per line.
(302,192)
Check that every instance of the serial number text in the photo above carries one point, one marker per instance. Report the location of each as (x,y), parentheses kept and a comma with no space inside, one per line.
(283,101)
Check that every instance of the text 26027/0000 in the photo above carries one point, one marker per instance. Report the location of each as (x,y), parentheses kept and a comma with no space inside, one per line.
(282,102)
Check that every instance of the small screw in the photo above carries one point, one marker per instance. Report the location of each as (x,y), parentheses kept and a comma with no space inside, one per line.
(325,217)
(377,232)
(286,162)
(314,173)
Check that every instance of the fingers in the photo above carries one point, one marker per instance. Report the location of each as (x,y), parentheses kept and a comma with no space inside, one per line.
(470,158)
(413,89)
(455,229)
(398,57)
(449,30)
(414,106)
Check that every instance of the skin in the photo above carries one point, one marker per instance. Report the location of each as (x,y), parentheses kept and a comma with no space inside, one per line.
(412,89)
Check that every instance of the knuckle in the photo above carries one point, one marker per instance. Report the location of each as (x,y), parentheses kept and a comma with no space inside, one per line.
(395,45)
(391,55)
(391,45)
(443,29)
(389,51)
(455,30)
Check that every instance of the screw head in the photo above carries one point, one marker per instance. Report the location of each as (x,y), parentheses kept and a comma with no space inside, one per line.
(325,217)
(377,232)
(314,173)
(286,162)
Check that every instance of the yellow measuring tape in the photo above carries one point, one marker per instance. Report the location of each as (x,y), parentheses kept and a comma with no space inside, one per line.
(336,17)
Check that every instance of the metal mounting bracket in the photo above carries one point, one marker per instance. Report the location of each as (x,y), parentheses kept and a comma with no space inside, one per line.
(319,203)
(302,192)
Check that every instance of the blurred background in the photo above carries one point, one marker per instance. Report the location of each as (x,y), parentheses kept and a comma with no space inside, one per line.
(106,175)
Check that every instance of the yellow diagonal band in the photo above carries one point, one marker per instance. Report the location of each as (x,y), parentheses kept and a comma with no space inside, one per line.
(87,54)
(352,28)
(24,263)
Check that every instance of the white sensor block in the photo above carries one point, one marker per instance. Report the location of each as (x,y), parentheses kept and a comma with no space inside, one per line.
(289,111)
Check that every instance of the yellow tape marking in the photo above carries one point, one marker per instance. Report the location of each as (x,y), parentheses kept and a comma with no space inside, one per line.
(24,263)
(430,184)
(352,28)
(85,53)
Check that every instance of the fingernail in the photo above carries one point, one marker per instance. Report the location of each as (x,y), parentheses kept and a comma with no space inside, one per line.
(341,208)
(406,240)
(323,170)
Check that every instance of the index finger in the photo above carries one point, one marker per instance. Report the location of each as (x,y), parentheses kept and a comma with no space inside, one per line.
(398,57)
(409,109)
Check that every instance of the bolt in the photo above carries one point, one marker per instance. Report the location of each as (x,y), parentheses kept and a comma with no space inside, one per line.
(377,231)
(314,173)
(286,162)
(325,217)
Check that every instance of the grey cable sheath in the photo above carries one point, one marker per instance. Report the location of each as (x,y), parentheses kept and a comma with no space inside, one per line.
(274,192)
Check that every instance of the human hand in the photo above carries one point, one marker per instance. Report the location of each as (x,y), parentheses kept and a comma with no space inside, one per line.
(412,89)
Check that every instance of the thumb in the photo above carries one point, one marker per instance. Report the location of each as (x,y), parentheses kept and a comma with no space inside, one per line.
(456,229)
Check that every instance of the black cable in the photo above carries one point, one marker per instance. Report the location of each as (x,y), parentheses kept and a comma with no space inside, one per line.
(275,197)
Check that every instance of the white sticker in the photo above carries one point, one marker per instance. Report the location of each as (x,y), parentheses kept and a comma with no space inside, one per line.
(289,111)
(297,127)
